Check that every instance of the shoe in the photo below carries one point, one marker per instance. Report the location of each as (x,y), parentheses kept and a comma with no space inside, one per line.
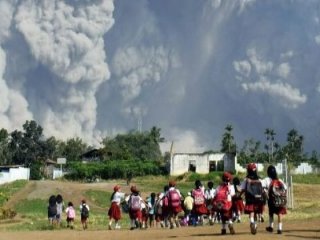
(231,229)
(132,228)
(262,219)
(253,228)
(117,227)
(238,221)
(269,229)
(223,231)
(279,231)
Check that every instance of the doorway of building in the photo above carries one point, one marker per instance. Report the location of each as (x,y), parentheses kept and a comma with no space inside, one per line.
(192,166)
(212,166)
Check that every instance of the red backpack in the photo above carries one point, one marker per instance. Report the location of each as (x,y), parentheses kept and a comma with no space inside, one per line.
(220,200)
(174,198)
(198,197)
(277,194)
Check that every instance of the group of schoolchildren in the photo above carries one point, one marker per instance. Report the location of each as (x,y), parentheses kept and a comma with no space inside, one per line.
(224,204)
(56,208)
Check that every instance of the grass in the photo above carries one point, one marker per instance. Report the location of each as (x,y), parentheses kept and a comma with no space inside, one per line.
(8,189)
(33,212)
(306,179)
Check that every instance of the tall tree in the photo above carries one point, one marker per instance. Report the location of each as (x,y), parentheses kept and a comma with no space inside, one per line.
(227,144)
(73,148)
(269,133)
(294,147)
(4,143)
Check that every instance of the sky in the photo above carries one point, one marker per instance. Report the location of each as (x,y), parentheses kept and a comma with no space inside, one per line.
(97,68)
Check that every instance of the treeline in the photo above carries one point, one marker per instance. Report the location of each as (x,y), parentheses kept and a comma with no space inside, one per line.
(269,151)
(115,169)
(133,153)
(138,151)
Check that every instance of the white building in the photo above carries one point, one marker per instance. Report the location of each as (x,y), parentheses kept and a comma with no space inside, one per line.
(12,173)
(203,163)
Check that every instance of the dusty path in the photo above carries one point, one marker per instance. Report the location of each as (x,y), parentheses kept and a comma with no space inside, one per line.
(292,230)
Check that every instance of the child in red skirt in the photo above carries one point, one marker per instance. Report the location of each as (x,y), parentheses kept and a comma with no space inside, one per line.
(276,204)
(253,188)
(115,211)
(174,207)
(199,205)
(135,205)
(222,202)
(237,201)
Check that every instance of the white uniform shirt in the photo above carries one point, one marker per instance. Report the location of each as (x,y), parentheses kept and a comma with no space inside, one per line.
(117,197)
(209,193)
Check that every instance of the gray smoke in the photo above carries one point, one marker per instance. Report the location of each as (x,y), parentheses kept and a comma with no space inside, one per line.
(63,60)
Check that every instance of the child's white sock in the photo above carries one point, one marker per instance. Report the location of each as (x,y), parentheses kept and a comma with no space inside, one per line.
(271,221)
(280,226)
(251,219)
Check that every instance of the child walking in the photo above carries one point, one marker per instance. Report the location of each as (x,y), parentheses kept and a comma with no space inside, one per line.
(209,195)
(84,211)
(115,211)
(199,206)
(71,214)
(60,208)
(252,186)
(174,197)
(237,201)
(277,192)
(222,203)
(135,213)
(152,206)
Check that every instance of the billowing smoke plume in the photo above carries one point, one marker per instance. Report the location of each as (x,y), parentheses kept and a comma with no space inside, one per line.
(188,68)
(64,63)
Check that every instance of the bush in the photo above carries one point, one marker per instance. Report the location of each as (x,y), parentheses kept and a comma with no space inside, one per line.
(7,213)
(114,169)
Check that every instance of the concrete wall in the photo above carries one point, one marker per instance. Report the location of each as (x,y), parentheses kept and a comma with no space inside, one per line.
(14,174)
(180,162)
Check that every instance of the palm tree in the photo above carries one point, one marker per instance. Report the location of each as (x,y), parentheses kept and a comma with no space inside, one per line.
(269,133)
(227,144)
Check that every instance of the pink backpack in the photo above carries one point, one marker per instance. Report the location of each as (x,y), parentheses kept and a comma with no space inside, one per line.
(198,197)
(71,213)
(174,198)
(135,203)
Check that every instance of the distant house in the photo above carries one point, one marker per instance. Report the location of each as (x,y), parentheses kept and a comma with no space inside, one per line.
(202,163)
(49,168)
(13,173)
(92,155)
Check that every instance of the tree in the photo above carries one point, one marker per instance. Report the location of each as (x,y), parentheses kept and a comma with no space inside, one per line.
(269,133)
(4,143)
(72,149)
(250,151)
(227,144)
(32,142)
(293,149)
(134,145)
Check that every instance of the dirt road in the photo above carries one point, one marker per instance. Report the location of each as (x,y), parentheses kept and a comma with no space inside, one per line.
(292,230)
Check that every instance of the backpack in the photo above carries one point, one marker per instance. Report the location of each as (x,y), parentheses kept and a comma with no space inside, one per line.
(165,201)
(254,191)
(198,197)
(84,211)
(277,194)
(174,198)
(135,203)
(52,210)
(220,200)
(71,213)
